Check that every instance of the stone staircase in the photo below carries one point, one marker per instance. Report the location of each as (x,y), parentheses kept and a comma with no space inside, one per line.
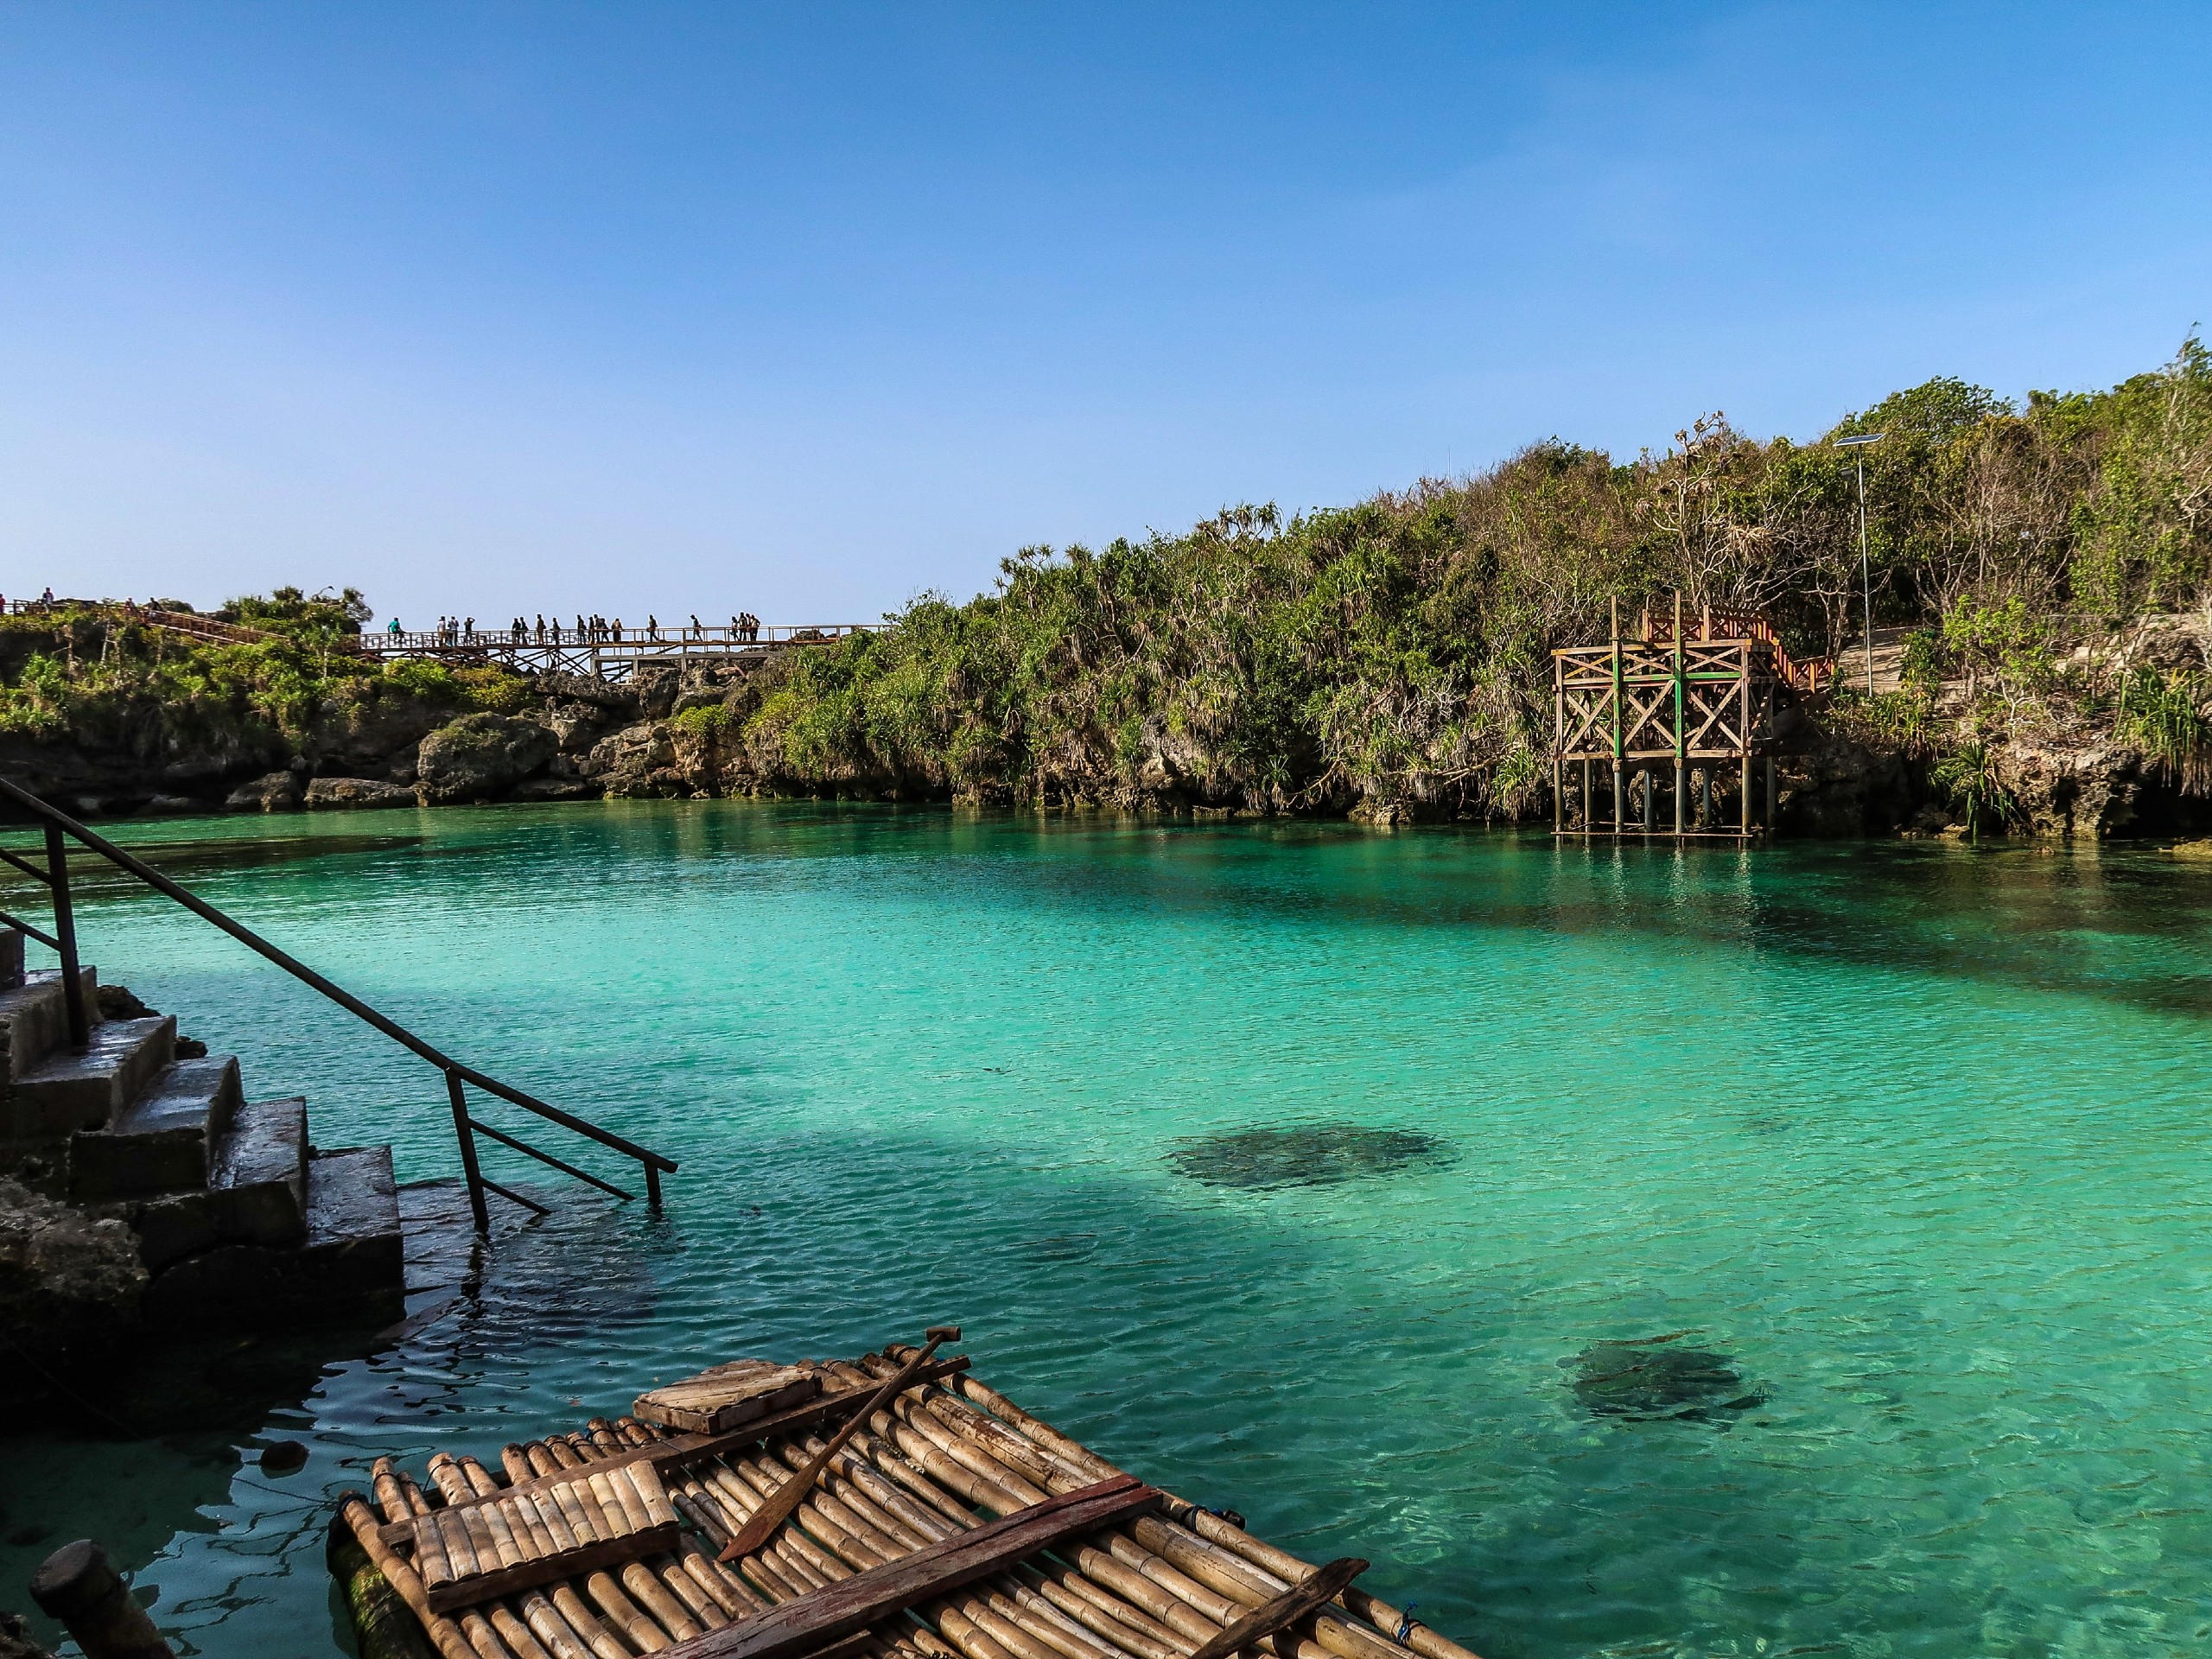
(240,1220)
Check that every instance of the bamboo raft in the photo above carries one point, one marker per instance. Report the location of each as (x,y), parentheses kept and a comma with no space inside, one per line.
(951,1524)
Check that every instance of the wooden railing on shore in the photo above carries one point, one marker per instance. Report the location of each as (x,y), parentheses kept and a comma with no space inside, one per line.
(1806,674)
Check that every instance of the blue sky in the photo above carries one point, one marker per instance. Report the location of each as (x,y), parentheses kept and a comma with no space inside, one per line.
(808,309)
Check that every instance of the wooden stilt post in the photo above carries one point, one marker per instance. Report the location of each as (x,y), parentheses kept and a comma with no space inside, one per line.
(1589,805)
(1682,700)
(1559,744)
(1743,728)
(1769,794)
(1620,796)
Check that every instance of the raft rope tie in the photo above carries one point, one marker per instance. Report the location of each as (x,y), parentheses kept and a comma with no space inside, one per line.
(1406,1622)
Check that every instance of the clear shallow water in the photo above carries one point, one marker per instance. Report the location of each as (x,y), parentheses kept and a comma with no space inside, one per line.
(1911,1135)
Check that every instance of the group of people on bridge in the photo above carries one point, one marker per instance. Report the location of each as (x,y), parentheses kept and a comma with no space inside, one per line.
(744,627)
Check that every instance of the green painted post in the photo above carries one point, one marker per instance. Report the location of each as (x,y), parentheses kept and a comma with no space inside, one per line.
(1681,667)
(1620,796)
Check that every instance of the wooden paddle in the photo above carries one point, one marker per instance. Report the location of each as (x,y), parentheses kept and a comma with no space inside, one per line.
(788,1497)
(1286,1610)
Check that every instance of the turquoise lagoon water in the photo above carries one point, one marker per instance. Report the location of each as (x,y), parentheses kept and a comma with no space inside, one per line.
(1913,1135)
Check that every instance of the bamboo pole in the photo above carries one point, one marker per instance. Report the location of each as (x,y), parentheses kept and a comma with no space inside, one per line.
(1207,1603)
(444,1634)
(1052,1629)
(1285,1568)
(640,1630)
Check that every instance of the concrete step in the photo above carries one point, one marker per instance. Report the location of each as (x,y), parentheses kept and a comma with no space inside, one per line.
(351,1262)
(164,1142)
(257,1194)
(34,1019)
(354,1242)
(88,1088)
(261,1174)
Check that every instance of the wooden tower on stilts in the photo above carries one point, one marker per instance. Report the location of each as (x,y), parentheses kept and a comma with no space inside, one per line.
(1665,735)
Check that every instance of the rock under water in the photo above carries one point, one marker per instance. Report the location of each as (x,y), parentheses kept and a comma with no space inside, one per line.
(1649,1378)
(1306,1154)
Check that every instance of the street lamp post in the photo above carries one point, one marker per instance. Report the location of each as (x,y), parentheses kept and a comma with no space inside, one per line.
(1865,566)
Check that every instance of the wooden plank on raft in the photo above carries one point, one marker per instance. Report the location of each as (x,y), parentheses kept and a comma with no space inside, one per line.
(728,1396)
(840,1610)
(1286,1610)
(683,1450)
(569,1563)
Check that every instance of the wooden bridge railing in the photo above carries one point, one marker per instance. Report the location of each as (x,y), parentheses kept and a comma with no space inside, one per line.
(561,646)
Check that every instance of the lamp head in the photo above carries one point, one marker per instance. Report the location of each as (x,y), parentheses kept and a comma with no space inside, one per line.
(1864,437)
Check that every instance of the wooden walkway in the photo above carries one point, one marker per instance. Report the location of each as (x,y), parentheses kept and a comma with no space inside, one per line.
(606,653)
(952,1525)
(606,650)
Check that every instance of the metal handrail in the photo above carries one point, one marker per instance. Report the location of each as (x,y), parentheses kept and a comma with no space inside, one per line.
(63,941)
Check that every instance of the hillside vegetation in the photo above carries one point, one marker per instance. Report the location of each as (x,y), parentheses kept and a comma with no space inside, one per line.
(1396,653)
(2040,573)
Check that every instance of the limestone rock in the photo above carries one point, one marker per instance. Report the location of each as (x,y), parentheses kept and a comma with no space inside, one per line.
(557,789)
(617,701)
(2085,794)
(1838,787)
(577,726)
(62,1274)
(625,761)
(481,755)
(357,735)
(340,792)
(276,792)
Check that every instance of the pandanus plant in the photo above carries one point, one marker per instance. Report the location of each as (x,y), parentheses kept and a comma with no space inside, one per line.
(1969,778)
(2164,718)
